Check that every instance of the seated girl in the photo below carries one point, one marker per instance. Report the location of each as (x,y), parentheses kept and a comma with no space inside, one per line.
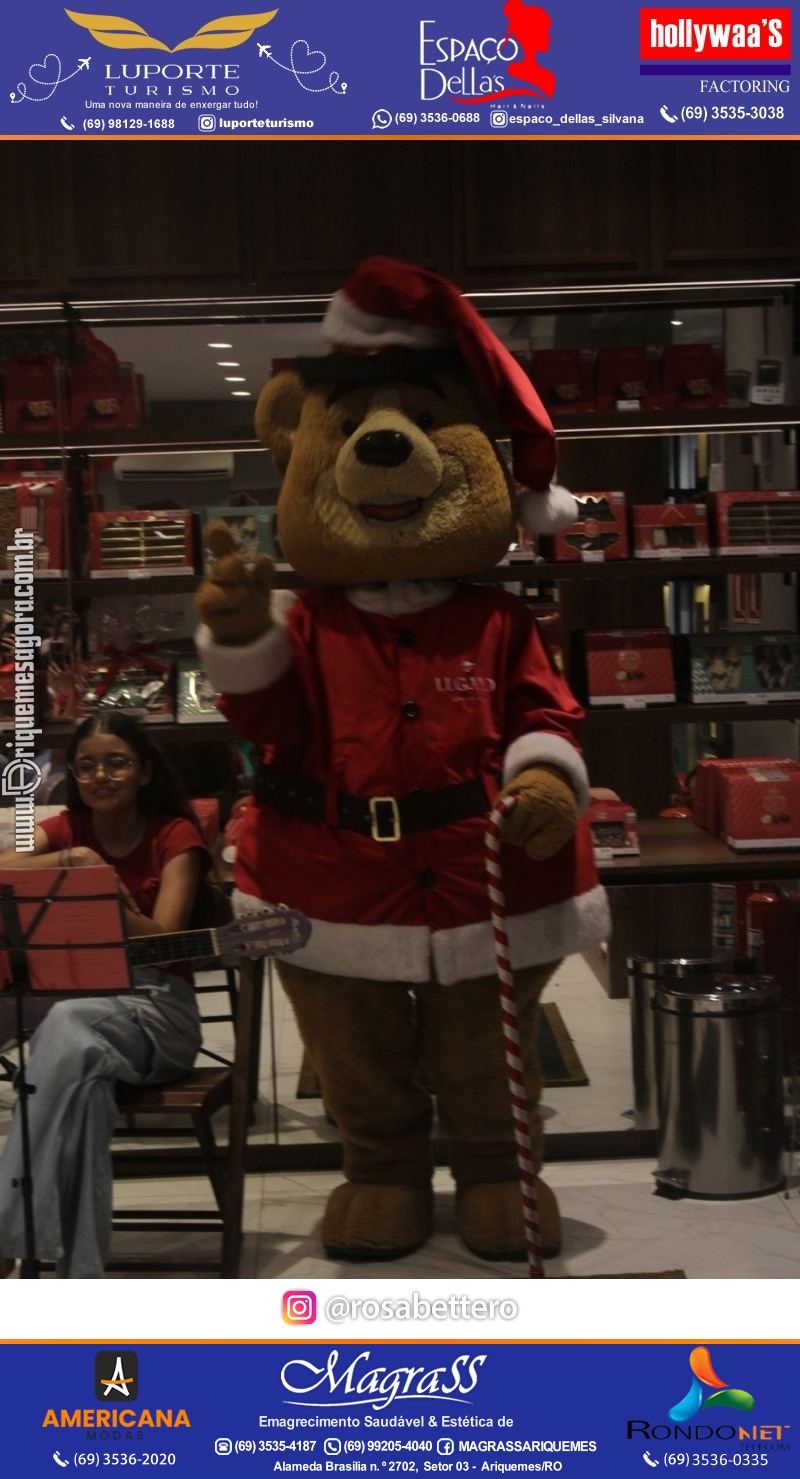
(124,808)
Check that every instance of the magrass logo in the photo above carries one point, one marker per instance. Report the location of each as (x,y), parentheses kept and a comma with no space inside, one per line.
(116,1376)
(703,1376)
(127,35)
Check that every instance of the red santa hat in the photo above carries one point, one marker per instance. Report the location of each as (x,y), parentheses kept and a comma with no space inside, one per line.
(391,305)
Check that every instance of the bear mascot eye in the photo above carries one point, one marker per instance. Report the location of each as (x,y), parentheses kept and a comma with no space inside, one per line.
(349,426)
(424,420)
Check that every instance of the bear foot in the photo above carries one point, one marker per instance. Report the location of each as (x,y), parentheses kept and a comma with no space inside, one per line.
(489,1220)
(364,1222)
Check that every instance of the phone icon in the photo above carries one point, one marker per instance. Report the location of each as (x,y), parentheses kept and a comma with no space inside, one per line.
(665,113)
(69,126)
(62,1462)
(653,1462)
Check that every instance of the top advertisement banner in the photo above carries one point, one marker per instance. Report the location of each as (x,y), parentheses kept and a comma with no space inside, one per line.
(426,69)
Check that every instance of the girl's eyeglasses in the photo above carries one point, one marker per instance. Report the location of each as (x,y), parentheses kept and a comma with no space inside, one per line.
(114,766)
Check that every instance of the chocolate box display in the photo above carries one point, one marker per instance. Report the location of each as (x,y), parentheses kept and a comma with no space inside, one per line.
(614,829)
(628,378)
(693,377)
(252,527)
(601,533)
(675,530)
(34,393)
(136,682)
(195,699)
(103,395)
(760,807)
(38,507)
(564,379)
(732,667)
(629,667)
(755,523)
(143,540)
(708,781)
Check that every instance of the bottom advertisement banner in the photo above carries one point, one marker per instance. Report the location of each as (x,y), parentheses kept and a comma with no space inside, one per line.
(390,1408)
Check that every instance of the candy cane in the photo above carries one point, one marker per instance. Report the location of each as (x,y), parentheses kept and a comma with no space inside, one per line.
(508,1006)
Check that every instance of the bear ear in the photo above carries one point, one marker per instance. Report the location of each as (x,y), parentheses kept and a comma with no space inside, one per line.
(278,415)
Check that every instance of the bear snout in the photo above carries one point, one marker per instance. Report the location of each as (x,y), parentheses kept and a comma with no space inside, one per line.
(383,448)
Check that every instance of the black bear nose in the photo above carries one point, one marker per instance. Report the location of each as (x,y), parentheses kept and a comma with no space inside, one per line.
(383,448)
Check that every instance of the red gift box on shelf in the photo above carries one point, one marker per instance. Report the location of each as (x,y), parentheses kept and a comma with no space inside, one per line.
(755,523)
(631,667)
(628,378)
(34,393)
(103,395)
(138,681)
(693,377)
(707,806)
(142,540)
(601,532)
(673,530)
(564,379)
(760,807)
(614,830)
(38,503)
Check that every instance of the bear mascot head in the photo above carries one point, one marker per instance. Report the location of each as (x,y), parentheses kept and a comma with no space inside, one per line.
(393,700)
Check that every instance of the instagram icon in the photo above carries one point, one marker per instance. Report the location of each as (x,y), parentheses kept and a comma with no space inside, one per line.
(300,1307)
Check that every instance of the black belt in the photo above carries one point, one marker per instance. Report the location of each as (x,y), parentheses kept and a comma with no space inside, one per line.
(384,818)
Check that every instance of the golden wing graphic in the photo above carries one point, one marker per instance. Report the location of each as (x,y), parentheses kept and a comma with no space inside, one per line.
(219,35)
(236,28)
(114,30)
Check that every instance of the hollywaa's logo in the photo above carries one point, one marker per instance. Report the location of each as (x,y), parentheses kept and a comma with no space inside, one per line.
(125,35)
(527,35)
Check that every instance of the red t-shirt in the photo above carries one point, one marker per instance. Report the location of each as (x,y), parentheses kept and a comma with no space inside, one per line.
(142,868)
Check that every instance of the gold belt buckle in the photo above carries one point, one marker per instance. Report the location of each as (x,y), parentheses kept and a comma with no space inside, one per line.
(377,834)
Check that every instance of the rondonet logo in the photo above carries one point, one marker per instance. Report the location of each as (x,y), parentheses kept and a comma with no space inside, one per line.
(127,35)
(718,33)
(360,1384)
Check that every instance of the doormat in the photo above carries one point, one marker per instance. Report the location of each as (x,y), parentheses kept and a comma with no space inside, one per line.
(561,1066)
(670,1273)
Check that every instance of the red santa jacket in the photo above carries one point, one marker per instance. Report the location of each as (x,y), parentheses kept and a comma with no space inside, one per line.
(381,691)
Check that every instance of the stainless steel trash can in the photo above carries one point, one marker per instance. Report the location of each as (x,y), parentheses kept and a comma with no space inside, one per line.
(719,1072)
(644,974)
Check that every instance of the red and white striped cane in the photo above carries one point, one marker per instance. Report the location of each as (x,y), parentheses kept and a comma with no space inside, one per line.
(508,1008)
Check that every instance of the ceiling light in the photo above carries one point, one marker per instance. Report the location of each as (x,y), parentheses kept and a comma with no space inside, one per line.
(240,378)
(240,392)
(677,322)
(228,364)
(220,346)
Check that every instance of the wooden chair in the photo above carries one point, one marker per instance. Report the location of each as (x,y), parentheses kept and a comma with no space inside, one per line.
(199,1096)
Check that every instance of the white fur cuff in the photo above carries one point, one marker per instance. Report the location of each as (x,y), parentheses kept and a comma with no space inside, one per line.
(245,669)
(548,749)
(546,513)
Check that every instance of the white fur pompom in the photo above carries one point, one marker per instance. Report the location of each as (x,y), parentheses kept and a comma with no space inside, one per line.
(546,513)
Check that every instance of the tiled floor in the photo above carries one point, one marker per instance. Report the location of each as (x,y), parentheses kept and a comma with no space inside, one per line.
(613,1222)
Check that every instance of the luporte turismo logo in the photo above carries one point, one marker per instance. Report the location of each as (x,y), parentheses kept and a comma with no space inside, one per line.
(122,34)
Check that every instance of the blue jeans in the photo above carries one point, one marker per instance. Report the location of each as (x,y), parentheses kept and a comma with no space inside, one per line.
(82,1047)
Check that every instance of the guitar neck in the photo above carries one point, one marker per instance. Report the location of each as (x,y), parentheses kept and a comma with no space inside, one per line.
(161,949)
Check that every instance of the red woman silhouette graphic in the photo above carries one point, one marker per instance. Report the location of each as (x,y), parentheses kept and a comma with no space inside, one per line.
(530,27)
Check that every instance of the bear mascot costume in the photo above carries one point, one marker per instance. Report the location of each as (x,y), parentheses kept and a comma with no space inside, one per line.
(392,701)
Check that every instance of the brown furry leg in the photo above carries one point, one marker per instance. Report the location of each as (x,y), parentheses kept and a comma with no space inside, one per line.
(463,1051)
(361,1037)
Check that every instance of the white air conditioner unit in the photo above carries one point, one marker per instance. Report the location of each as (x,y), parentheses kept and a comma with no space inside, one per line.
(174,467)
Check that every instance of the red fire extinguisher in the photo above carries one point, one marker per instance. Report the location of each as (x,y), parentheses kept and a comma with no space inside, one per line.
(773,940)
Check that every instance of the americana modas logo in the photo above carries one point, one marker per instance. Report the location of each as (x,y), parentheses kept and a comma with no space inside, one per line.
(127,35)
(116,1376)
